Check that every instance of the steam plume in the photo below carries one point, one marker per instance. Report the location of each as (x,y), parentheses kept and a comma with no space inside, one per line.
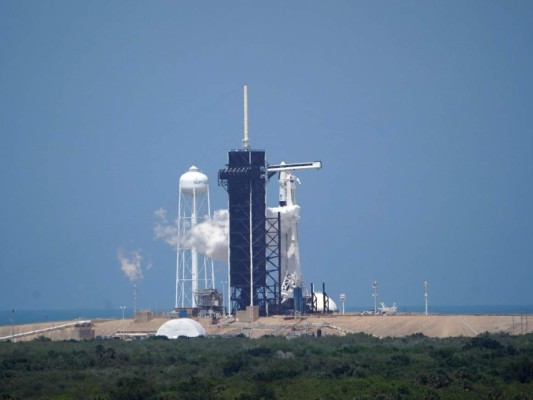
(130,264)
(209,237)
(168,232)
(290,215)
(290,252)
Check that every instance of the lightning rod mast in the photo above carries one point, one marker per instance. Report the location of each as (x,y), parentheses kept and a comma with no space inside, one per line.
(426,296)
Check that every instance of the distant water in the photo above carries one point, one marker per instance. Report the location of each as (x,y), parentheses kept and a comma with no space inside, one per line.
(35,316)
(464,310)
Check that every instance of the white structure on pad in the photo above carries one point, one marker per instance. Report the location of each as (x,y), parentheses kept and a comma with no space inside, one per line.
(193,270)
(183,327)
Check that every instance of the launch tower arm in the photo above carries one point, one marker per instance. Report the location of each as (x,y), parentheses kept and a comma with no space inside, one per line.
(272,169)
(295,166)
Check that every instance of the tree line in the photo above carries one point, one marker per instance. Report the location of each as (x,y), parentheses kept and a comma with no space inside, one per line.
(356,366)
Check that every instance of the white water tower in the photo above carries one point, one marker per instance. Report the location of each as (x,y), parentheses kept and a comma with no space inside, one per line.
(193,270)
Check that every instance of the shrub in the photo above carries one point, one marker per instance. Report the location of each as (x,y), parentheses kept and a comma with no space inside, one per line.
(439,379)
(260,351)
(483,342)
(42,338)
(132,389)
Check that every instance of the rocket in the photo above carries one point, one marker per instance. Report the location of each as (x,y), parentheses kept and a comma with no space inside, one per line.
(287,180)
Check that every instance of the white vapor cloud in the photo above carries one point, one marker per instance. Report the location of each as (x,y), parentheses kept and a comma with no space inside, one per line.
(130,264)
(209,237)
(290,216)
(168,232)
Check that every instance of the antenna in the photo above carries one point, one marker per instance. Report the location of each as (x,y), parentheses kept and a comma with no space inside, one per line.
(426,295)
(134,300)
(375,295)
(245,141)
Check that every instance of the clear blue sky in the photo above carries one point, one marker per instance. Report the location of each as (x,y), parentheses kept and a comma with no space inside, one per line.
(421,111)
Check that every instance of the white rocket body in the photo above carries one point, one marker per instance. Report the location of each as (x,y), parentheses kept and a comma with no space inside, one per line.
(290,217)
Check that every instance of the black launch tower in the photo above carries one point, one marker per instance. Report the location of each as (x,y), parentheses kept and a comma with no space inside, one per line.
(250,244)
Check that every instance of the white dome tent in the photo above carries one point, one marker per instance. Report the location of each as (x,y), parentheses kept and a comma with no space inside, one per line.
(184,327)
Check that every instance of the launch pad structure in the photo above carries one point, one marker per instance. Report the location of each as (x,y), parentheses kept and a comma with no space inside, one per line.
(254,253)
(255,249)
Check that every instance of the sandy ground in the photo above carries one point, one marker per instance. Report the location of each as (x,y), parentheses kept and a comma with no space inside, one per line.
(382,326)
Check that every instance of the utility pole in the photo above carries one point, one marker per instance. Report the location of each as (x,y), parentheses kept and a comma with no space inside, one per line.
(13,324)
(375,295)
(426,296)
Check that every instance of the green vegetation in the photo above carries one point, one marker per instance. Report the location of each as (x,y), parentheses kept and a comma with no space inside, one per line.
(351,367)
